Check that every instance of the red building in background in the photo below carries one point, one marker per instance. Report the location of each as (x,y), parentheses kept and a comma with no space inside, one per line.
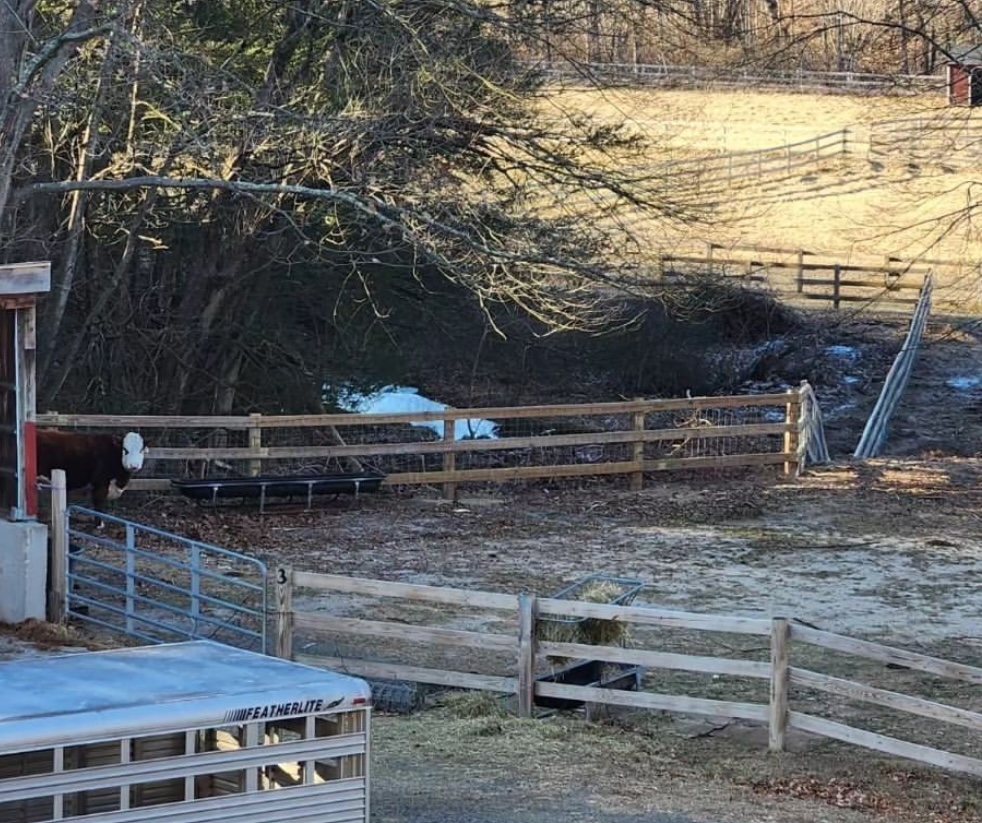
(963,75)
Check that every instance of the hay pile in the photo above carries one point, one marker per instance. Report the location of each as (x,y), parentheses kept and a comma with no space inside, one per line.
(52,636)
(588,630)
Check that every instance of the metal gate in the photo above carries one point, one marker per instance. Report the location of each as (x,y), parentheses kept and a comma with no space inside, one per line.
(159,587)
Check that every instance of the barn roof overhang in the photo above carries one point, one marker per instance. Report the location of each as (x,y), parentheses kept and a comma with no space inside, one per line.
(965,55)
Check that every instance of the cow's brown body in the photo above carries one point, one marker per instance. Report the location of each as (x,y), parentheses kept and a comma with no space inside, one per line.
(87,459)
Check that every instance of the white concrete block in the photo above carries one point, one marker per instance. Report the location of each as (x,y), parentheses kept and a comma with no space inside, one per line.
(23,571)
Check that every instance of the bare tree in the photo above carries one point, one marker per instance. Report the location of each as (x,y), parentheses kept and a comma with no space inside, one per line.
(200,160)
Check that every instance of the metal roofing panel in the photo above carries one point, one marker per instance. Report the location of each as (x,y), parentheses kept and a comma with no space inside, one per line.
(77,698)
(966,53)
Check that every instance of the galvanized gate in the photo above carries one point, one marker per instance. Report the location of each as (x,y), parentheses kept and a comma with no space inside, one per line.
(158,587)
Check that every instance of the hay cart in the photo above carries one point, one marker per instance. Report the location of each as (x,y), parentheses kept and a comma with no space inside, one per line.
(599,588)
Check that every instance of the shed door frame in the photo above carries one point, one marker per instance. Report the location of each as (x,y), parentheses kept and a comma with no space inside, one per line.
(974,97)
(18,459)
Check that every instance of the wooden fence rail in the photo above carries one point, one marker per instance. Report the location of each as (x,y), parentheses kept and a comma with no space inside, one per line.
(889,286)
(713,173)
(529,653)
(862,261)
(703,173)
(624,438)
(893,700)
(878,281)
(951,139)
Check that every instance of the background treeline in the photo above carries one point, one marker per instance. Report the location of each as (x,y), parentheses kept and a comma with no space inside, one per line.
(876,36)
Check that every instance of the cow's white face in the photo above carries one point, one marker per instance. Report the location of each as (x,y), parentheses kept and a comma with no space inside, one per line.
(134,451)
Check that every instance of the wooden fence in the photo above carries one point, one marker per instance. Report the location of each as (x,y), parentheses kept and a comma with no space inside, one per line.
(951,138)
(529,656)
(701,76)
(716,172)
(890,281)
(627,438)
(891,286)
(712,174)
(875,431)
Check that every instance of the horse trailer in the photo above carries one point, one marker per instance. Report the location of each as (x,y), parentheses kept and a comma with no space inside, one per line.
(193,732)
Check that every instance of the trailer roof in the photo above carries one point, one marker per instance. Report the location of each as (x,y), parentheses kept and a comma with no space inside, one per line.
(78,698)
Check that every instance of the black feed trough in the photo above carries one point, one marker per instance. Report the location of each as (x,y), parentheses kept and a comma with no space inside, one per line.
(266,487)
(596,673)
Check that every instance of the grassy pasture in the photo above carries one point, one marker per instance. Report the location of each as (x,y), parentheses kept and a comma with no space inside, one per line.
(858,204)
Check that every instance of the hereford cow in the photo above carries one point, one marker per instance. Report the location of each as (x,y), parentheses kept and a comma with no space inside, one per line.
(103,461)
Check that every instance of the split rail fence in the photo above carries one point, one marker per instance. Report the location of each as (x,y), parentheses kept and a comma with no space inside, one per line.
(798,277)
(706,175)
(800,80)
(950,139)
(628,438)
(517,637)
(717,172)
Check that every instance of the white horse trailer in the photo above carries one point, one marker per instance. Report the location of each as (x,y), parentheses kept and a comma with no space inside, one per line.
(181,733)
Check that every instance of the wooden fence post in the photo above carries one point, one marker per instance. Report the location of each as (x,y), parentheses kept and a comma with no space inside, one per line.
(449,458)
(526,654)
(780,682)
(255,443)
(801,271)
(637,477)
(792,422)
(836,286)
(284,612)
(58,557)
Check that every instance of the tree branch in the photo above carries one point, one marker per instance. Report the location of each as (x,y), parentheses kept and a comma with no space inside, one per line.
(387,214)
(50,50)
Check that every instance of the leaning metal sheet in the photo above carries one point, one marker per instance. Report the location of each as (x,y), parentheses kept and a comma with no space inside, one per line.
(79,698)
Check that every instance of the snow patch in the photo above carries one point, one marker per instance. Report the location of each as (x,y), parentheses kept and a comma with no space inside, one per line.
(963,383)
(407,400)
(843,352)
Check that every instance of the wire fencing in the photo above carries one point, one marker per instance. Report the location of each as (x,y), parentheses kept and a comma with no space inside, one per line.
(484,445)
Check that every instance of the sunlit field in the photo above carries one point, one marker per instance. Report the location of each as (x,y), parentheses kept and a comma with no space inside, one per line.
(860,203)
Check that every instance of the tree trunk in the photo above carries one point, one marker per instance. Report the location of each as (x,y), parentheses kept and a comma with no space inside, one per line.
(64,274)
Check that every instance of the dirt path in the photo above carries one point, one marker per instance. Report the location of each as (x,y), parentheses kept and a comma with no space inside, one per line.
(502,770)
